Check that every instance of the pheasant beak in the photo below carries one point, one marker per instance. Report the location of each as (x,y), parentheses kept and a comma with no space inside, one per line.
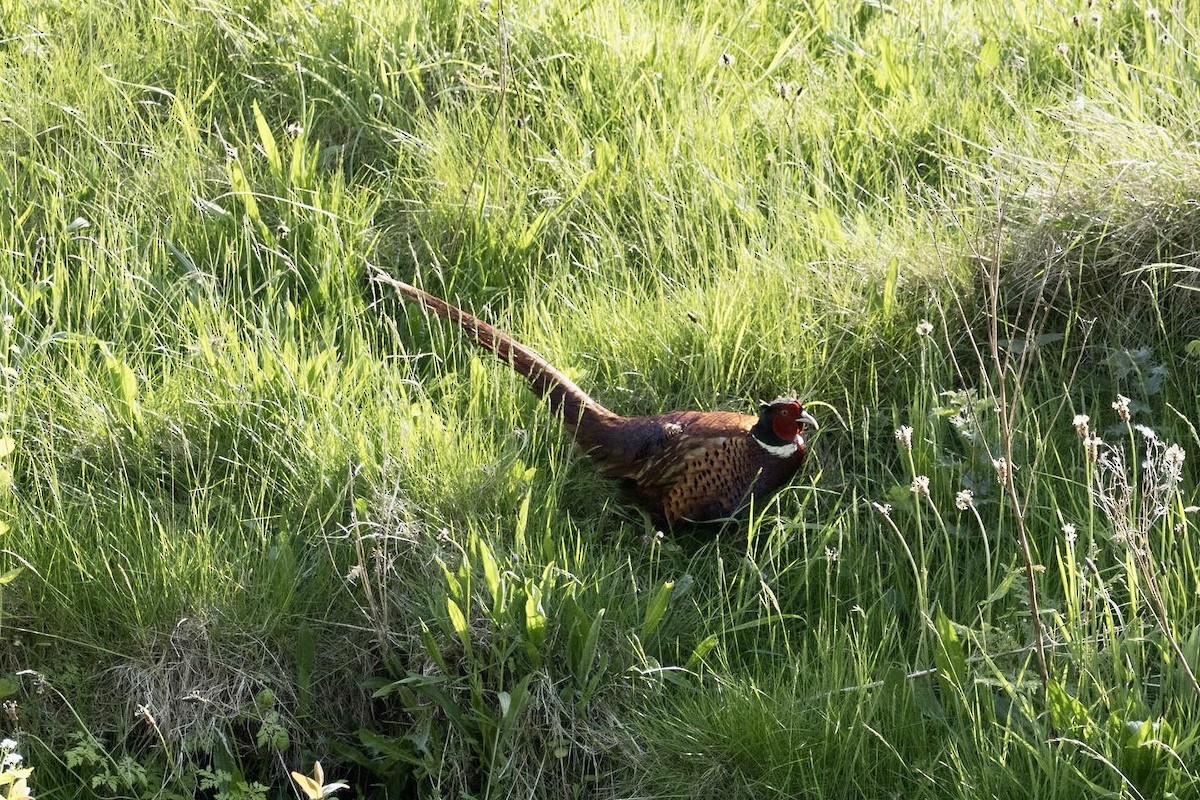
(809,423)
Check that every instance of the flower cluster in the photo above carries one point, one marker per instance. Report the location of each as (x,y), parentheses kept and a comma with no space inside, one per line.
(14,779)
(1121,406)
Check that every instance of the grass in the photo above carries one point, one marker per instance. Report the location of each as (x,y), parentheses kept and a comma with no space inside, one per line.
(259,513)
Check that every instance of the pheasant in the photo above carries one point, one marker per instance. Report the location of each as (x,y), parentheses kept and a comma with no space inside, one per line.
(682,466)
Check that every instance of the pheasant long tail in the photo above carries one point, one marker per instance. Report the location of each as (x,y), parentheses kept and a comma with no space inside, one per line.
(579,412)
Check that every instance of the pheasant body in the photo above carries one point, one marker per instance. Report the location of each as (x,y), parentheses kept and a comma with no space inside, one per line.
(682,466)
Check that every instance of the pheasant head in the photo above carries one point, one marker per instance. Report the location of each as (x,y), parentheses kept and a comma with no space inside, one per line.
(781,426)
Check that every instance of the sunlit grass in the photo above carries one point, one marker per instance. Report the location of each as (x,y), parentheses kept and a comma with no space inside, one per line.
(260,513)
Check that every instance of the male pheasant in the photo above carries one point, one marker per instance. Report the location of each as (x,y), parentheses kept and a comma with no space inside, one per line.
(682,466)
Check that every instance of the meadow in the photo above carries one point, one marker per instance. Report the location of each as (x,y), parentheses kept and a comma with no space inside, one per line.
(257,512)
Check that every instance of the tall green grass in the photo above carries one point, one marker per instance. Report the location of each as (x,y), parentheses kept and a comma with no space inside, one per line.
(258,512)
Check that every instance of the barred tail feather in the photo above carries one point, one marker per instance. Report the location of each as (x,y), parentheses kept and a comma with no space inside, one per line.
(579,412)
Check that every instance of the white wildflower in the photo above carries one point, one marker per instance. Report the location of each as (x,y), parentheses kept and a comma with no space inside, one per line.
(1081,425)
(904,436)
(883,508)
(924,328)
(1172,459)
(1121,406)
(920,485)
(964,499)
(1070,533)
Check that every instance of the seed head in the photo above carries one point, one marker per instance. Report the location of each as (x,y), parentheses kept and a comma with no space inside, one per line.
(964,499)
(904,436)
(1173,462)
(1069,532)
(1003,470)
(1121,406)
(1081,425)
(924,328)
(920,485)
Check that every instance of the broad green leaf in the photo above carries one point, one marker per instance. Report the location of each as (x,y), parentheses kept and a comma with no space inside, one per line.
(535,617)
(700,651)
(586,638)
(950,656)
(267,140)
(657,608)
(241,187)
(1066,712)
(458,621)
(1004,587)
(491,575)
(989,58)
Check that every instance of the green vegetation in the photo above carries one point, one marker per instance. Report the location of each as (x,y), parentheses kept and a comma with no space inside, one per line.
(257,512)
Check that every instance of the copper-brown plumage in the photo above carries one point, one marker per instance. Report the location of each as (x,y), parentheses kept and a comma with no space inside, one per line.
(694,466)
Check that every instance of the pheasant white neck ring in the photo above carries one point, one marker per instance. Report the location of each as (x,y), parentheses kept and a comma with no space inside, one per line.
(785,450)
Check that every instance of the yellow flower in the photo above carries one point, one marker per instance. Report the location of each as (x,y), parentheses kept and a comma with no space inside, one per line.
(314,787)
(19,790)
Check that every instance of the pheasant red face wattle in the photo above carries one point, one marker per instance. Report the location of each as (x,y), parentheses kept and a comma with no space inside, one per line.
(682,466)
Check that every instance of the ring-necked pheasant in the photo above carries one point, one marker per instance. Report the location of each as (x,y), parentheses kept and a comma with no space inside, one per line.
(690,466)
